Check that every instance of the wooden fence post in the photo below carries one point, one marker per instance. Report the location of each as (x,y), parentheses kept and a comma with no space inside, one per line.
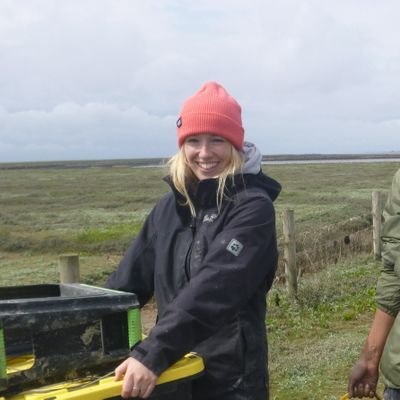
(377,223)
(289,256)
(69,268)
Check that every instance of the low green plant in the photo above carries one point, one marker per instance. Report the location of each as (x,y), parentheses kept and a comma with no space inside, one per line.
(315,339)
(113,232)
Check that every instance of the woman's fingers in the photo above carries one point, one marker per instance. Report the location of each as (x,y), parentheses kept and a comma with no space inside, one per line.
(120,370)
(138,381)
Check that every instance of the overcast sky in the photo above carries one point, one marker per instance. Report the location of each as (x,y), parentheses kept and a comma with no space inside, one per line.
(103,79)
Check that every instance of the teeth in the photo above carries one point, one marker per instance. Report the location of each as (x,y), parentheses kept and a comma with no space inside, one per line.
(207,165)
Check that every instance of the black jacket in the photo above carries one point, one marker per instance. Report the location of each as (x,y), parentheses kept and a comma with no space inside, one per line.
(210,275)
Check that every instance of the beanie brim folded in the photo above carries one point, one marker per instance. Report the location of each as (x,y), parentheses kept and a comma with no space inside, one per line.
(211,123)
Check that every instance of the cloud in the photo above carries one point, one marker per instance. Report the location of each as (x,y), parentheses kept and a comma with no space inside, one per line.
(317,76)
(91,131)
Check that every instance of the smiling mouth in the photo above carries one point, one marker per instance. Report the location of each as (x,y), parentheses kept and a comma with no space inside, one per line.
(207,165)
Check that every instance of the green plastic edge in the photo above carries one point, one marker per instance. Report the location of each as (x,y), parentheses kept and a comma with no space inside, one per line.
(134,326)
(3,361)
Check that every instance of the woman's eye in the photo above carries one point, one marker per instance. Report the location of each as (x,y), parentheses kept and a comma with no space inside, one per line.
(192,140)
(218,140)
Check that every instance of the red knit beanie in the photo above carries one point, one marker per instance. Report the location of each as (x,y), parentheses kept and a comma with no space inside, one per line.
(211,110)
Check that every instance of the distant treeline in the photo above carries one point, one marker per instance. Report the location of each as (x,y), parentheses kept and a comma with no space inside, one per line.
(143,162)
(134,162)
(311,157)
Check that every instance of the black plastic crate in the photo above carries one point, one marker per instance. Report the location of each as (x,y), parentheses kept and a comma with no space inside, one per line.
(69,329)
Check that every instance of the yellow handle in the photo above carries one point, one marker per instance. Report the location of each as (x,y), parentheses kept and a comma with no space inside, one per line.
(346,397)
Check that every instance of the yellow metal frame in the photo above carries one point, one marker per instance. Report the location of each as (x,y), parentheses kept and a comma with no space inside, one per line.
(21,363)
(101,389)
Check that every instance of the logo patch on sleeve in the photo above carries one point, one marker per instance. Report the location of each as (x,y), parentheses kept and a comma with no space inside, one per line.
(234,247)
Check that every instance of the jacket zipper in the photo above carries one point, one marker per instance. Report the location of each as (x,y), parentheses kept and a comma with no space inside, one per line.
(193,227)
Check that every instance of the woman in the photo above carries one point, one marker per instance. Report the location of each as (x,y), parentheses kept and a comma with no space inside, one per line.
(207,251)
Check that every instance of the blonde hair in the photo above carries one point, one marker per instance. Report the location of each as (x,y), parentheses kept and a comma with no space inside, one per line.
(182,176)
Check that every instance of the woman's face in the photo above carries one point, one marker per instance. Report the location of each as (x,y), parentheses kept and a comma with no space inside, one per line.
(207,155)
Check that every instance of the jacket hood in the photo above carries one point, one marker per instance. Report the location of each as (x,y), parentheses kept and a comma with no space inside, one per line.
(252,166)
(252,159)
(265,182)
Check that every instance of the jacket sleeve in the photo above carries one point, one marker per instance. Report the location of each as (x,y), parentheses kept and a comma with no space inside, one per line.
(135,272)
(388,289)
(240,259)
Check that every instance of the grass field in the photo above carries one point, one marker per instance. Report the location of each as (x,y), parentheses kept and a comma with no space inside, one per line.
(97,211)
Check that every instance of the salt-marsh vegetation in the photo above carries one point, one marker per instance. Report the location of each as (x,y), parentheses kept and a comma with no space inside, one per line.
(98,211)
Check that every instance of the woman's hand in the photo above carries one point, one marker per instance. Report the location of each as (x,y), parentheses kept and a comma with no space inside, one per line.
(139,381)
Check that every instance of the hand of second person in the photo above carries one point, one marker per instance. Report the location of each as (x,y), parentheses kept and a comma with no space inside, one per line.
(138,381)
(363,379)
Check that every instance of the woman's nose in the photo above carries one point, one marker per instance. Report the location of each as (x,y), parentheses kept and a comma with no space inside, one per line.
(204,150)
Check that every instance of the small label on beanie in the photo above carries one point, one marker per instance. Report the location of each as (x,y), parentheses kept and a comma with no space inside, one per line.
(179,122)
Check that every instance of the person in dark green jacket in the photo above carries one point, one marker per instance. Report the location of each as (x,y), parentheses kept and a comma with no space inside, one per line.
(383,343)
